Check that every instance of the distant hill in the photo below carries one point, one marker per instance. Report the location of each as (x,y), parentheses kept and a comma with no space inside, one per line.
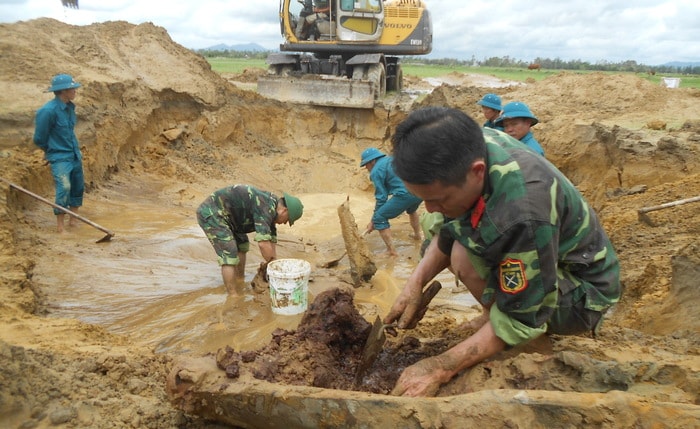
(682,64)
(247,47)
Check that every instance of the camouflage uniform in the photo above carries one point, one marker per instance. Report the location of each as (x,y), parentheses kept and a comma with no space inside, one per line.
(548,264)
(229,214)
(430,224)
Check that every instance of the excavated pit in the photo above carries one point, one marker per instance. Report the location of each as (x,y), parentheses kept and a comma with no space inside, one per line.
(93,331)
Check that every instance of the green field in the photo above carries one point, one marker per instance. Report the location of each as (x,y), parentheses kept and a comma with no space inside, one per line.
(520,75)
(237,65)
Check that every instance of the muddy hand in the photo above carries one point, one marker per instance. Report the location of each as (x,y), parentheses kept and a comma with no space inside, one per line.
(262,271)
(390,329)
(421,379)
(413,317)
(404,308)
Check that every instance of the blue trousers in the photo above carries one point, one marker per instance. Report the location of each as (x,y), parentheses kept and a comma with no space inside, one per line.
(394,206)
(70,183)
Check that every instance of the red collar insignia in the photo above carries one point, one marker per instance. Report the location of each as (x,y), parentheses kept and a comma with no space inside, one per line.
(478,212)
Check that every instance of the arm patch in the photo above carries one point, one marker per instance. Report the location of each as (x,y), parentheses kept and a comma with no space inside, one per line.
(511,276)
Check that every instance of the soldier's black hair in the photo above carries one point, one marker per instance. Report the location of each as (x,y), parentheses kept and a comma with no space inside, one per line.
(437,144)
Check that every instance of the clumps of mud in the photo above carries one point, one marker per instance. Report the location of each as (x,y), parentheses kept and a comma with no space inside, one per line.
(326,349)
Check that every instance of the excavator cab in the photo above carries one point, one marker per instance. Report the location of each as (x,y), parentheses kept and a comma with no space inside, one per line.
(332,20)
(360,20)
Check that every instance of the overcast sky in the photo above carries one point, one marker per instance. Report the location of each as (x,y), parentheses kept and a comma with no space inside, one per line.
(650,32)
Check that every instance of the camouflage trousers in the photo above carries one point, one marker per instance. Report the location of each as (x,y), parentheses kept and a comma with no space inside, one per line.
(221,234)
(571,316)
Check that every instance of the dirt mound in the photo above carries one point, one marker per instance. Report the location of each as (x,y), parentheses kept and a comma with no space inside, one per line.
(155,123)
(335,331)
(326,349)
(247,76)
(331,327)
(111,53)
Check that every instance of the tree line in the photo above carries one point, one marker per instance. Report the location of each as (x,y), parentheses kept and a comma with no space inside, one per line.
(503,62)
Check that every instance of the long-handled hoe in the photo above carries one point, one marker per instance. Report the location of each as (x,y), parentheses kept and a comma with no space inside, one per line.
(106,238)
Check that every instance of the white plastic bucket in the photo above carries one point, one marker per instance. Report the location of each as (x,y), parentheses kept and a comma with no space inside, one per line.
(289,285)
(671,82)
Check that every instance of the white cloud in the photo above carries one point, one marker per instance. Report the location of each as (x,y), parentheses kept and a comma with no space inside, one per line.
(647,31)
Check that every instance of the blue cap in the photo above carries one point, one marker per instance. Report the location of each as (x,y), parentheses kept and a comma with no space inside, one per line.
(370,154)
(492,101)
(516,109)
(61,82)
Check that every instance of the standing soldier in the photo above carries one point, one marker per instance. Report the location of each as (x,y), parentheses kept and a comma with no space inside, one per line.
(55,135)
(517,121)
(491,108)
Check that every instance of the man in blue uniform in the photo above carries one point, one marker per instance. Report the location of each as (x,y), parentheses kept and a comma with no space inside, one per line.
(517,121)
(491,108)
(55,134)
(390,195)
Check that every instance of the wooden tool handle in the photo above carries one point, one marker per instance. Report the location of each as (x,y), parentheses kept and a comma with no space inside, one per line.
(57,207)
(667,205)
(428,295)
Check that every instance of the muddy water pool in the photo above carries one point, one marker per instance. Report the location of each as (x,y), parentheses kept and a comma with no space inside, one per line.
(158,283)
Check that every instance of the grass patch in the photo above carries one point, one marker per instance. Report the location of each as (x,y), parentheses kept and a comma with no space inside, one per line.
(238,65)
(235,65)
(687,81)
(521,75)
(431,70)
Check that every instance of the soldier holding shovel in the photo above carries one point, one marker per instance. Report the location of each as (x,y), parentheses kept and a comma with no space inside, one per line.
(523,240)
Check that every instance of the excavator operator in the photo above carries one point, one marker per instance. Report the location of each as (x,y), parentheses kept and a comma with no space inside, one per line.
(322,6)
(312,12)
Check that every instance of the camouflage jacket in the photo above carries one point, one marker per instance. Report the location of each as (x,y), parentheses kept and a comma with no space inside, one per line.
(531,234)
(247,209)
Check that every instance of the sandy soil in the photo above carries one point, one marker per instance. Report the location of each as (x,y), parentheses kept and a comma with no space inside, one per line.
(157,125)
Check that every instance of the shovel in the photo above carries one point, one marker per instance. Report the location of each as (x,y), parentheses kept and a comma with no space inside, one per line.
(109,233)
(333,262)
(377,336)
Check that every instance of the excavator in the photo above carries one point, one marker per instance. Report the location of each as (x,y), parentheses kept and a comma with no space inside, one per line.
(344,53)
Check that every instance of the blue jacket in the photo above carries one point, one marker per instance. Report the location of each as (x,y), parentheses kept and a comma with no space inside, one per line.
(530,140)
(386,182)
(55,131)
(492,124)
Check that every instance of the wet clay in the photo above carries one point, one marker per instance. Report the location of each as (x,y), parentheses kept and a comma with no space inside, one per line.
(325,350)
(362,266)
